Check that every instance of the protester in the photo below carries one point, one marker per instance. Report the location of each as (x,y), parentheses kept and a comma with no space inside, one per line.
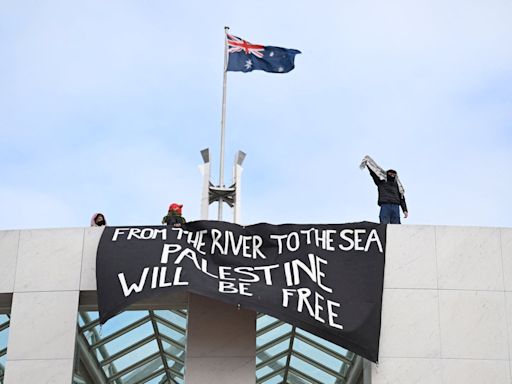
(391,192)
(98,220)
(174,216)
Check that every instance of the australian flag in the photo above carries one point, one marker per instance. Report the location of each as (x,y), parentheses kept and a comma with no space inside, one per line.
(246,57)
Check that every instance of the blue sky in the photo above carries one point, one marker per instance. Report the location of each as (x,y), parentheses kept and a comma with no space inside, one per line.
(104,106)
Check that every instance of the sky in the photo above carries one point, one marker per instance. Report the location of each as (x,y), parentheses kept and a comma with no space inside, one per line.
(105,106)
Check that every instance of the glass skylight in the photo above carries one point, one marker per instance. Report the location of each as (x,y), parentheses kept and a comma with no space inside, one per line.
(148,347)
(135,347)
(4,333)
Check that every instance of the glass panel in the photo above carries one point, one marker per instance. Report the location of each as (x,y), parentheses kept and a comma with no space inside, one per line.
(312,371)
(4,334)
(271,367)
(91,315)
(140,373)
(76,380)
(318,355)
(275,350)
(134,356)
(273,334)
(178,352)
(81,323)
(118,322)
(264,320)
(278,379)
(335,348)
(130,338)
(170,333)
(174,317)
(157,380)
(177,367)
(296,379)
(3,337)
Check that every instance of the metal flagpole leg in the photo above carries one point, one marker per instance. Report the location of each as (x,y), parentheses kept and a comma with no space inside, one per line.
(223,121)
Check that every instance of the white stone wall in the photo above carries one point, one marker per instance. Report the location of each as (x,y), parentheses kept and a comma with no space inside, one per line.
(447,306)
(45,269)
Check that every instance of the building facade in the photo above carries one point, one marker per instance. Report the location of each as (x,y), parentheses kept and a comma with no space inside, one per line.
(447,318)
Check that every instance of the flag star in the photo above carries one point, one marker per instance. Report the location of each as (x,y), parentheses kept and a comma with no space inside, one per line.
(280,69)
(248,64)
(271,53)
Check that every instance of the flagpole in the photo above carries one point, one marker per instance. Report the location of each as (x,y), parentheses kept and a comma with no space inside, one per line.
(223,121)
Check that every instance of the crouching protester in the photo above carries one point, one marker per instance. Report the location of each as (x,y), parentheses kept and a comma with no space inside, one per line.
(98,220)
(174,216)
(391,192)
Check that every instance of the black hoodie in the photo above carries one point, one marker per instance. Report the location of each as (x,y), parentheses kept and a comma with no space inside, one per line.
(388,191)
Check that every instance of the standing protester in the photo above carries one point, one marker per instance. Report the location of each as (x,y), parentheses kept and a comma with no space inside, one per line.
(98,220)
(391,192)
(173,216)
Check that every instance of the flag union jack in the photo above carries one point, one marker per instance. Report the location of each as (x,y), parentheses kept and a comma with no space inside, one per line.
(246,57)
(237,44)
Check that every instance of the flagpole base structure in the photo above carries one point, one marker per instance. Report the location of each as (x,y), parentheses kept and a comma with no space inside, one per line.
(220,193)
(221,338)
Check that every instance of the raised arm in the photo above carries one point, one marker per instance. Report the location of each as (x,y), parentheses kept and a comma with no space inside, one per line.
(372,166)
(374,176)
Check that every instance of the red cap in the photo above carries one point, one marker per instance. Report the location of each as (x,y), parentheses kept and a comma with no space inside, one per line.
(175,207)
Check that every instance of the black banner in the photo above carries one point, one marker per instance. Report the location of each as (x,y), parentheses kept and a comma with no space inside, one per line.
(324,278)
